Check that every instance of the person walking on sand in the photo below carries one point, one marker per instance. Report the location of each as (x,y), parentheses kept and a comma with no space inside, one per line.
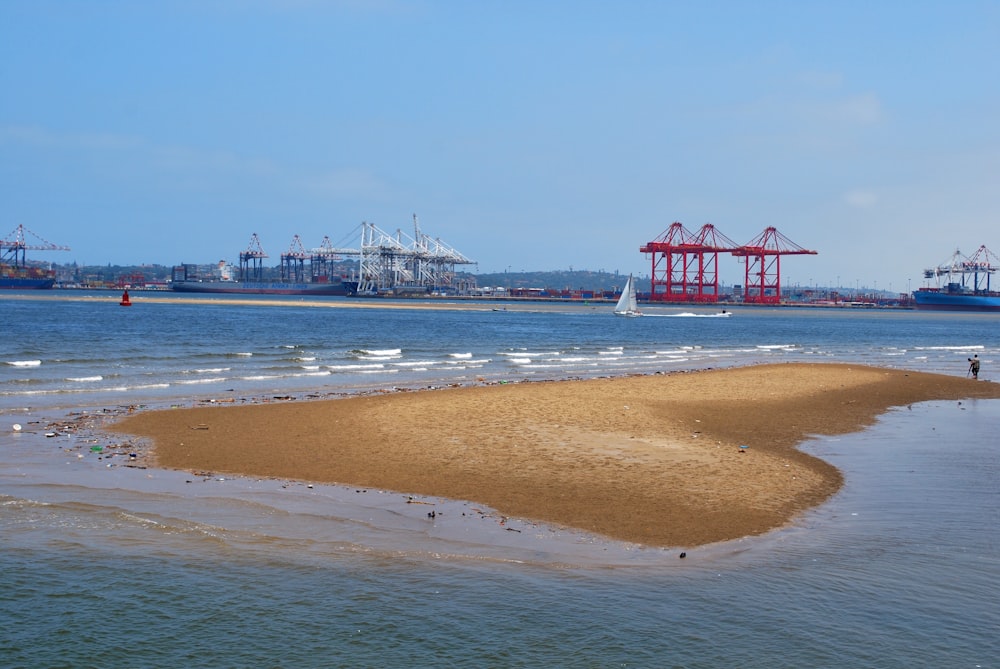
(974,366)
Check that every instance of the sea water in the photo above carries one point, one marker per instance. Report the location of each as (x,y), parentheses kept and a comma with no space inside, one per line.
(106,563)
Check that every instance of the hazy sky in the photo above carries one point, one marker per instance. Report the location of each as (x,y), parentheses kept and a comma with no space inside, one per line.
(529,135)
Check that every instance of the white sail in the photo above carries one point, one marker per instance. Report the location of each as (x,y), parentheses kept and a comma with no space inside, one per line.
(627,303)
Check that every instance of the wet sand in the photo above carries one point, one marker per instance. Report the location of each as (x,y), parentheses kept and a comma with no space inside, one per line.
(676,460)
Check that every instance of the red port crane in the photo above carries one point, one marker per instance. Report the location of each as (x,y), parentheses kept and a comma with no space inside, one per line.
(685,264)
(763,265)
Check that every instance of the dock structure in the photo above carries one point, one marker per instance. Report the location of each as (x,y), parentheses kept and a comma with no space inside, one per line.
(763,265)
(13,246)
(15,270)
(385,264)
(400,264)
(685,264)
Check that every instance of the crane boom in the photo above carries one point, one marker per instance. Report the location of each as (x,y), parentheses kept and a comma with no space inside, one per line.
(13,246)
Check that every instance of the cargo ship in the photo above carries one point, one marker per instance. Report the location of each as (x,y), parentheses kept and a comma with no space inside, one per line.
(26,278)
(333,286)
(224,278)
(15,271)
(964,284)
(250,277)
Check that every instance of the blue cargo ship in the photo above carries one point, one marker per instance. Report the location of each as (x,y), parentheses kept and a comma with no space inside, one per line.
(26,278)
(946,299)
(966,285)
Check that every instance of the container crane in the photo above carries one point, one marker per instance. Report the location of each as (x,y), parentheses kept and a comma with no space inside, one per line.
(293,262)
(251,261)
(685,264)
(763,265)
(13,246)
(323,258)
(972,273)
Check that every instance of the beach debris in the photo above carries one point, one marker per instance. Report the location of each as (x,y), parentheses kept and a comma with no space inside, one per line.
(683,555)
(199,426)
(16,427)
(743,448)
(432,514)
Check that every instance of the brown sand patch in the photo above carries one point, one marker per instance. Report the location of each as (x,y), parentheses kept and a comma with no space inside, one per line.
(647,459)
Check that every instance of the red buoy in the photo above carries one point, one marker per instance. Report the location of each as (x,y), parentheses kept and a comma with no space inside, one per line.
(125,301)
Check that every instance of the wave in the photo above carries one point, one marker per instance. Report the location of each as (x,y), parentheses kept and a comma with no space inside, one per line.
(688,314)
(460,355)
(527,354)
(24,363)
(454,363)
(82,391)
(85,379)
(379,352)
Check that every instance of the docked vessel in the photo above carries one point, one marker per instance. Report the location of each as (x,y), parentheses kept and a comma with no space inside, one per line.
(333,286)
(15,271)
(250,277)
(963,284)
(26,278)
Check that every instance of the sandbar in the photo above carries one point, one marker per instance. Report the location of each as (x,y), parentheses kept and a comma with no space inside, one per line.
(670,460)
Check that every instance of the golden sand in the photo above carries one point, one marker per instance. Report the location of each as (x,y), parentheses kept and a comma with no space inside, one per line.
(655,460)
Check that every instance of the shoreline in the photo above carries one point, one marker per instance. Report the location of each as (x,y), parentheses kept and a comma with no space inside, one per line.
(668,460)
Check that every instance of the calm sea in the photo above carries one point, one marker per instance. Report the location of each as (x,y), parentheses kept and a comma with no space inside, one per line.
(104,562)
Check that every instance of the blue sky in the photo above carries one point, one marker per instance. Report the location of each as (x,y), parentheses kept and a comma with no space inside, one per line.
(528,135)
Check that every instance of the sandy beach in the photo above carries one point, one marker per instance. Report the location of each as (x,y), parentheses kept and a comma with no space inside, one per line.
(676,460)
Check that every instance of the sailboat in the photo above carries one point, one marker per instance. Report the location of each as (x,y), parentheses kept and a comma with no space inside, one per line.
(627,304)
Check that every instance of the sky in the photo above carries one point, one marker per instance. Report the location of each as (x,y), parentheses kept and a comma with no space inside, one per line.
(527,135)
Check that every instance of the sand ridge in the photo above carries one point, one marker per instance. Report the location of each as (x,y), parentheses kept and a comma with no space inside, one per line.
(678,459)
